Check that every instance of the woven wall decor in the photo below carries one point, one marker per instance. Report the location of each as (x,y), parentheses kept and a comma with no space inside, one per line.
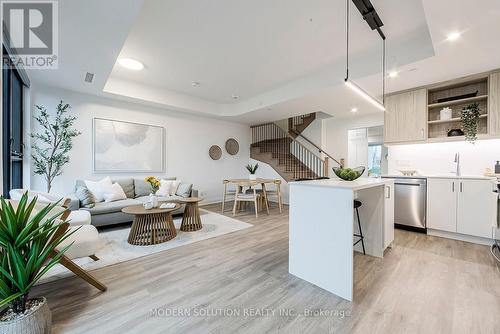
(232,146)
(215,152)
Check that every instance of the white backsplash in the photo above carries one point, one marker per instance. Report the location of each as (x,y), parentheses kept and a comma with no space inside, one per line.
(437,158)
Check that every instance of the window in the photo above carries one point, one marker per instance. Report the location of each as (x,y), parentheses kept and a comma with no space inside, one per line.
(12,129)
(374,160)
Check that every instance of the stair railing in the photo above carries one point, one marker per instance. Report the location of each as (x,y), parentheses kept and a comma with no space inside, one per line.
(290,154)
(295,134)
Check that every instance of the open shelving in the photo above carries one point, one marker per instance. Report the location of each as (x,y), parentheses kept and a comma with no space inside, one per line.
(438,128)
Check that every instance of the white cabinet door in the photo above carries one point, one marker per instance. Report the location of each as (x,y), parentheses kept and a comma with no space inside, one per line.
(389,215)
(442,204)
(475,213)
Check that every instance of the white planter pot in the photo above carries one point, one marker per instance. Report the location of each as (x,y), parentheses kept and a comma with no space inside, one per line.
(37,321)
(252,177)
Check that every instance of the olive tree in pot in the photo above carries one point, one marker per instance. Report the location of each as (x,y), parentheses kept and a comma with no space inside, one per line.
(53,143)
(29,236)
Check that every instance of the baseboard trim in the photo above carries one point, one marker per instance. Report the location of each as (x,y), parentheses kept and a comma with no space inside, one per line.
(461,237)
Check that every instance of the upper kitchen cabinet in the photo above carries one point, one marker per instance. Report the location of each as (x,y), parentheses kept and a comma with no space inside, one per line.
(405,117)
(494,104)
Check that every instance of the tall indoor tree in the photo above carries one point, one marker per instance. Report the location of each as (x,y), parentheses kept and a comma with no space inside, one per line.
(53,141)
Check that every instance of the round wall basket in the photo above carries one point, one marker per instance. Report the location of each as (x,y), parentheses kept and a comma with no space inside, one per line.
(232,146)
(215,152)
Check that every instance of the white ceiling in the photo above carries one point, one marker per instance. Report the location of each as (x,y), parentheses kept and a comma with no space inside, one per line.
(281,57)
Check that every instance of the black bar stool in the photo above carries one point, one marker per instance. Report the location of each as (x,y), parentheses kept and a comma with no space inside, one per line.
(357,204)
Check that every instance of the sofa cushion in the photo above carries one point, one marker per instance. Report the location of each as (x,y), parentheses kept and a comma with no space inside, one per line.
(184,190)
(85,197)
(142,187)
(127,185)
(115,193)
(110,207)
(98,188)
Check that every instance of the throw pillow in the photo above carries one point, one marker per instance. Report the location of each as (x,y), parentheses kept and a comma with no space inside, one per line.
(114,193)
(173,187)
(165,188)
(141,188)
(85,197)
(184,190)
(127,186)
(98,188)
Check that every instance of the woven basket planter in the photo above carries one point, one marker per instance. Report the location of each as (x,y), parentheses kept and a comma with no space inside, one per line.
(38,321)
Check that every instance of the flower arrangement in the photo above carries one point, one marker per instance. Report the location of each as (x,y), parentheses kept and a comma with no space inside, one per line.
(154,183)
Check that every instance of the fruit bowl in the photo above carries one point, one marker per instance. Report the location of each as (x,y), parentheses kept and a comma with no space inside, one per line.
(348,174)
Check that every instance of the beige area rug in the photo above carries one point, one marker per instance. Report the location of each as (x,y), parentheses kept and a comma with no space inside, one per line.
(114,247)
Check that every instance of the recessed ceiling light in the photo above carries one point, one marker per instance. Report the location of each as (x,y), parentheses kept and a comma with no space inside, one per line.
(195,83)
(393,74)
(131,64)
(354,110)
(234,96)
(453,36)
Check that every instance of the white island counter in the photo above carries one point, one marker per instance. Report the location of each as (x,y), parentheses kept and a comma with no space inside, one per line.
(322,225)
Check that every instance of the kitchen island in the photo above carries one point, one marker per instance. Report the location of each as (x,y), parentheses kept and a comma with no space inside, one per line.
(322,227)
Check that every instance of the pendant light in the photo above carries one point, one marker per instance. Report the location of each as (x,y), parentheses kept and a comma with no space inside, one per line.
(371,17)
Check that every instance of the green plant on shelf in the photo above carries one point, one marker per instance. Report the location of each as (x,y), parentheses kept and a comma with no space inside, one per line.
(470,118)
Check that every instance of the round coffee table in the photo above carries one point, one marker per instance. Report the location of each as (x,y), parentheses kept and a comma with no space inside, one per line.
(191,220)
(150,227)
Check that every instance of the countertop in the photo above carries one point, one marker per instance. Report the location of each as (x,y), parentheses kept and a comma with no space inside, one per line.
(361,183)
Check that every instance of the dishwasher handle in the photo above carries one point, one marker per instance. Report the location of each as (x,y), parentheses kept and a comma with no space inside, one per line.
(409,184)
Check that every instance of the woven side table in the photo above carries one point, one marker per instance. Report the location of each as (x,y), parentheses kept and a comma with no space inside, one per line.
(191,220)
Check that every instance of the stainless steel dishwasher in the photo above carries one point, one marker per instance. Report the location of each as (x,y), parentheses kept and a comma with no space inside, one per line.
(410,203)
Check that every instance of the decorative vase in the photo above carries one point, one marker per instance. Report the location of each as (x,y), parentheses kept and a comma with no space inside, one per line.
(445,113)
(252,177)
(153,199)
(36,321)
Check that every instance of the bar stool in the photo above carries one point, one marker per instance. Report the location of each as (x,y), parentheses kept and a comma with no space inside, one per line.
(357,204)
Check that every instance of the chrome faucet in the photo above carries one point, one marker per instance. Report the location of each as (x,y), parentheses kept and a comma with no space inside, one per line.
(457,162)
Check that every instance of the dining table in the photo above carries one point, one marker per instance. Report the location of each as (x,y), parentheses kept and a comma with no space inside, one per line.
(250,183)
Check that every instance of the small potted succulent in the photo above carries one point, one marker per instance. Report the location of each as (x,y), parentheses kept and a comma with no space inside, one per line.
(252,169)
(29,236)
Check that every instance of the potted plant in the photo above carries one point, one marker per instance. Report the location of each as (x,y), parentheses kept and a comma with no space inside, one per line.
(53,142)
(154,185)
(470,119)
(252,169)
(29,236)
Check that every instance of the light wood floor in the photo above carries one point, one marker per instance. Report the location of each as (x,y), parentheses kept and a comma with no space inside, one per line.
(423,285)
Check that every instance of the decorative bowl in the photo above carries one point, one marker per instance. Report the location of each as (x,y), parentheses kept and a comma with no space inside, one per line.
(348,174)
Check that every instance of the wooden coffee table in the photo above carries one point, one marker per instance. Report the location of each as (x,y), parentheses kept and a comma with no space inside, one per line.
(191,220)
(150,227)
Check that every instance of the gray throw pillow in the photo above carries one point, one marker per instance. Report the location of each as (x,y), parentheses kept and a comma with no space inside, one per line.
(127,186)
(184,190)
(85,197)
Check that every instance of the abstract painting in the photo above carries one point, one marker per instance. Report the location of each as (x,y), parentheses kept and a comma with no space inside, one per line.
(128,147)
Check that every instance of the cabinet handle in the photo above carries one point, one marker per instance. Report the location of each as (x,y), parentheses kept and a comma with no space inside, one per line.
(422,133)
(453,187)
(461,187)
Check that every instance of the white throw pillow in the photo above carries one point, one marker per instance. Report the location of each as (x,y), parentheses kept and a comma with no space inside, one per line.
(98,188)
(114,193)
(165,186)
(174,186)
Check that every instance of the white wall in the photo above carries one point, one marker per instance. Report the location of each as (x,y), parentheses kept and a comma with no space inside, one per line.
(335,134)
(188,140)
(437,158)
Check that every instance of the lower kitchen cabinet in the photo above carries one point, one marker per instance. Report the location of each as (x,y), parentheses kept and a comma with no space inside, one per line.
(475,209)
(442,204)
(462,206)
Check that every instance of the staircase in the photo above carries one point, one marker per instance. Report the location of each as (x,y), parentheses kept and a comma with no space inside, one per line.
(290,159)
(297,124)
